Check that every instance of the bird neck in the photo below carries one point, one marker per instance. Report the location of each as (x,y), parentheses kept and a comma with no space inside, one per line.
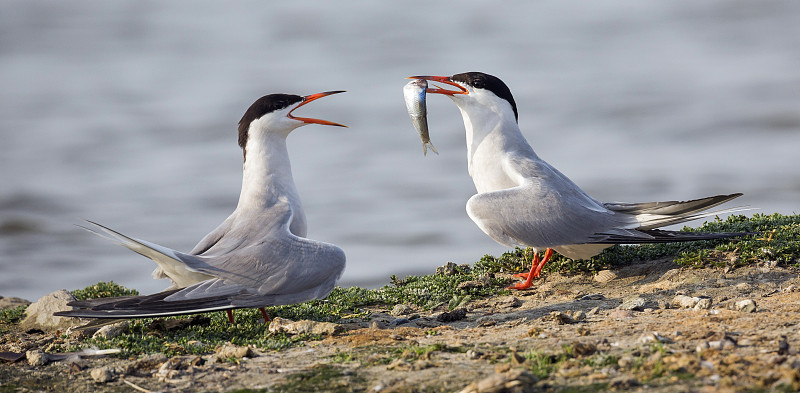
(267,175)
(491,138)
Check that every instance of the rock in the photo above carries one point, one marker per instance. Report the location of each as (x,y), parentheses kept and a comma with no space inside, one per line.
(102,374)
(634,302)
(399,321)
(473,284)
(113,330)
(654,338)
(452,316)
(282,325)
(583,349)
(506,302)
(516,380)
(592,296)
(746,305)
(697,302)
(561,318)
(36,357)
(401,309)
(231,351)
(447,270)
(40,314)
(11,302)
(604,276)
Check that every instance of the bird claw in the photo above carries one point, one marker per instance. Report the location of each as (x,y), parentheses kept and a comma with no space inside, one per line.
(521,286)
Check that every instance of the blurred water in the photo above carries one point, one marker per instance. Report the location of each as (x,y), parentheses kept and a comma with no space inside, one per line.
(125,113)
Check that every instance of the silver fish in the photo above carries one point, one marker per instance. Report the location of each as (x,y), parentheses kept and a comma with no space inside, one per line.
(414,94)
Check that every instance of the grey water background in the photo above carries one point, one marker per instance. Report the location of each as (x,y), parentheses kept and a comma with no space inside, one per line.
(125,113)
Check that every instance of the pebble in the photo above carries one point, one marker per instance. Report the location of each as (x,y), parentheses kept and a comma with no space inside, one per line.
(102,374)
(452,316)
(604,276)
(695,302)
(36,357)
(592,296)
(231,351)
(40,314)
(654,337)
(619,314)
(113,330)
(399,321)
(746,305)
(401,309)
(283,325)
(635,302)
(449,269)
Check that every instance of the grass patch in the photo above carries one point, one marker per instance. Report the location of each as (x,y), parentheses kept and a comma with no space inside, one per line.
(10,316)
(103,289)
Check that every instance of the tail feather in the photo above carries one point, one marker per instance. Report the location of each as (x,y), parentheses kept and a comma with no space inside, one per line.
(651,215)
(662,236)
(145,306)
(150,250)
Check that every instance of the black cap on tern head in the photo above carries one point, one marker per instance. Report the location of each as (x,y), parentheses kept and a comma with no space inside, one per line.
(267,104)
(489,82)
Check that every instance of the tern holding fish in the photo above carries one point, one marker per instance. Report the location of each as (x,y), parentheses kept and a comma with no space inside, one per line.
(524,201)
(414,94)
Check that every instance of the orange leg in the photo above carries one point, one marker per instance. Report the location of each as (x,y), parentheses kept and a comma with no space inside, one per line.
(230,316)
(264,313)
(536,269)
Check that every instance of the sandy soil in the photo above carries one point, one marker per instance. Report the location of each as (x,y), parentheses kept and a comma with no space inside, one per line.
(621,330)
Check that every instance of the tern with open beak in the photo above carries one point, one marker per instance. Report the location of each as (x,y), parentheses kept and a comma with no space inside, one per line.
(259,256)
(524,201)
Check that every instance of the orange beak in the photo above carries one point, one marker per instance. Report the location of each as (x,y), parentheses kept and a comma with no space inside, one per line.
(310,98)
(445,80)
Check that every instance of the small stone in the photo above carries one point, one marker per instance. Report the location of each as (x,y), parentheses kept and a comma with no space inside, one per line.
(232,351)
(449,269)
(473,284)
(486,321)
(401,309)
(654,338)
(704,303)
(36,357)
(517,359)
(113,330)
(579,315)
(534,332)
(634,302)
(746,305)
(473,354)
(283,325)
(506,302)
(592,296)
(593,311)
(584,331)
(583,349)
(604,276)
(625,361)
(452,316)
(515,380)
(40,314)
(561,318)
(102,374)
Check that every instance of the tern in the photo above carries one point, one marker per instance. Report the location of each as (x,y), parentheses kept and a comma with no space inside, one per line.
(523,201)
(259,256)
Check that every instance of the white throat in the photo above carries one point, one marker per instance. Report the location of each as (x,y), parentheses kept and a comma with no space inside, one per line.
(267,175)
(492,136)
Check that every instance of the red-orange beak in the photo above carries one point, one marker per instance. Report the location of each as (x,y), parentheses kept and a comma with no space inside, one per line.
(445,80)
(310,98)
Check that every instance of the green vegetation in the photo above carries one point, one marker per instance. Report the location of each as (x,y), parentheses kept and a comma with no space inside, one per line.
(320,378)
(103,289)
(11,316)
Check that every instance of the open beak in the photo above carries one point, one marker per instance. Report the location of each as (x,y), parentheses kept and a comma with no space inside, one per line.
(310,98)
(445,80)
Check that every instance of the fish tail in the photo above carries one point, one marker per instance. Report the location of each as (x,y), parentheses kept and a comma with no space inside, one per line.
(425,147)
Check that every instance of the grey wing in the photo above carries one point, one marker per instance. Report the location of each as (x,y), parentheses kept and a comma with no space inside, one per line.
(525,216)
(275,263)
(546,210)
